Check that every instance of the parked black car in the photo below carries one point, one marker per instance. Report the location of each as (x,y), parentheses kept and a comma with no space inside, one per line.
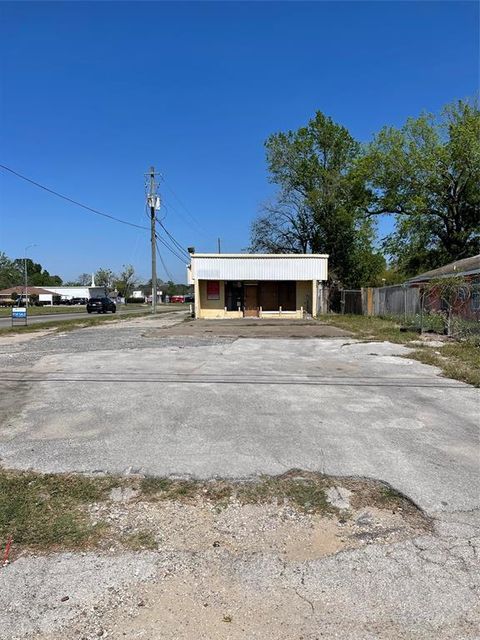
(101,305)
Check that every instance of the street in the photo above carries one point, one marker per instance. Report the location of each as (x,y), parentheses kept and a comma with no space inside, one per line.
(58,317)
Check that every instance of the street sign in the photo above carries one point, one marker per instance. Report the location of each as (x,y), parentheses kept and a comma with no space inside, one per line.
(19,313)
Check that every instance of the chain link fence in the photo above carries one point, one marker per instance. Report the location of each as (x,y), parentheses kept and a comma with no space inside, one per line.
(450,306)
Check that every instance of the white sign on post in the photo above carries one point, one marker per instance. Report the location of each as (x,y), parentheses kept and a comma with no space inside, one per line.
(19,313)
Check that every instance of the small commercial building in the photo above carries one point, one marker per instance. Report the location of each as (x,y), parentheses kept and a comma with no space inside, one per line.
(239,285)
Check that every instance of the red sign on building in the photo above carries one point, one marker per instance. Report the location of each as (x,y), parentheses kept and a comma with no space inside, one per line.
(213,290)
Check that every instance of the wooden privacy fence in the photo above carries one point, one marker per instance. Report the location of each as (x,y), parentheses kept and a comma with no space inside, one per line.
(395,300)
(351,301)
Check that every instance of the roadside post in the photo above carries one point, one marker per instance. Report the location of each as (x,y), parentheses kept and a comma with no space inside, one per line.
(153,202)
(19,316)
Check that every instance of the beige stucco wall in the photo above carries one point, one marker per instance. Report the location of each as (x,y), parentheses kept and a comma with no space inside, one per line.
(205,308)
(210,308)
(211,304)
(304,295)
(314,298)
(284,315)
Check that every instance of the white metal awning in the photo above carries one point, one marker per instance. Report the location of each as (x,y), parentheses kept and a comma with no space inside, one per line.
(259,266)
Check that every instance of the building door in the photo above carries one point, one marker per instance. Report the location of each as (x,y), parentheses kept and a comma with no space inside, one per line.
(287,294)
(251,301)
(268,296)
(234,296)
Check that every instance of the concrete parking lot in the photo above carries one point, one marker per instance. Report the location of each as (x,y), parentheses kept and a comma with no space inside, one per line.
(172,400)
(156,396)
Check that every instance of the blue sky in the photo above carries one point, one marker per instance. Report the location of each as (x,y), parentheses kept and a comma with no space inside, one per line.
(92,94)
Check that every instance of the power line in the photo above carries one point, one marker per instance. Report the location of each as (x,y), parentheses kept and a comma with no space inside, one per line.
(169,275)
(167,246)
(182,217)
(185,208)
(187,211)
(175,242)
(79,204)
(177,246)
(174,250)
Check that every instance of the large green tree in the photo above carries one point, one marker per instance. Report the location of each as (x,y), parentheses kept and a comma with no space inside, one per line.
(37,275)
(126,281)
(321,201)
(10,273)
(427,174)
(105,278)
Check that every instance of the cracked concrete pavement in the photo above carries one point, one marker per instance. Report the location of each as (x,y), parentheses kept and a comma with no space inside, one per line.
(421,588)
(137,397)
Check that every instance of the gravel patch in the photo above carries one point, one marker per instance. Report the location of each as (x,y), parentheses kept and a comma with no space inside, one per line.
(273,527)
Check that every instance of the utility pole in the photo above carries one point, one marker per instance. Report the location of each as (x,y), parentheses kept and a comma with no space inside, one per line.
(153,201)
(219,246)
(26,281)
(26,272)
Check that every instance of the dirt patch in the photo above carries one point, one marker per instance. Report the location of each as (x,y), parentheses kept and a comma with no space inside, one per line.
(273,527)
(245,328)
(251,559)
(213,606)
(17,338)
(292,515)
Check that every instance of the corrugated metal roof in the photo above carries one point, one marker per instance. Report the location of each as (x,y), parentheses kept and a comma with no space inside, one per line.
(250,256)
(251,266)
(466,266)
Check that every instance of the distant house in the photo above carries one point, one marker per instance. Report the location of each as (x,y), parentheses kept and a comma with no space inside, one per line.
(62,295)
(238,285)
(12,293)
(468,302)
(468,268)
